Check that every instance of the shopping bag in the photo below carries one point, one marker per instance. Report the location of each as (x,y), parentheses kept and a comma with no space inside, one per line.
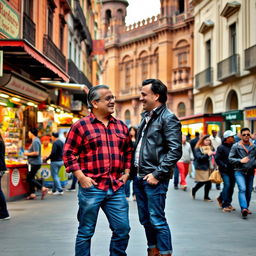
(215,177)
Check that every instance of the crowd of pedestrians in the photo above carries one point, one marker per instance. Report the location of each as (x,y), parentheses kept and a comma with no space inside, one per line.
(103,155)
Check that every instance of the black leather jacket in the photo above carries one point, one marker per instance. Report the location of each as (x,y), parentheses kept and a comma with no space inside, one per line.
(161,144)
(238,152)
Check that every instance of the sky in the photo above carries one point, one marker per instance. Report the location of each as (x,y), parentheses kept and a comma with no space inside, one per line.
(141,9)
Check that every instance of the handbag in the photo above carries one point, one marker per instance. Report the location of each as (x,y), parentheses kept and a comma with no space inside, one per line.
(215,177)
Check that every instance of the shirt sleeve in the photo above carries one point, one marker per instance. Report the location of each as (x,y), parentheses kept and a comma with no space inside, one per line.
(128,152)
(71,148)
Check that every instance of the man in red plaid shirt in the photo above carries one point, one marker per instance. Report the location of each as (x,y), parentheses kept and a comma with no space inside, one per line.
(98,152)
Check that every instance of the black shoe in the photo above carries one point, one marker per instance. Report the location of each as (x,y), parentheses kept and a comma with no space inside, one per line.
(208,199)
(176,187)
(244,213)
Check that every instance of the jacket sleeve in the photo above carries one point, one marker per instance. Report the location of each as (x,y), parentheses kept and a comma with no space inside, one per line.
(172,135)
(199,155)
(219,160)
(233,156)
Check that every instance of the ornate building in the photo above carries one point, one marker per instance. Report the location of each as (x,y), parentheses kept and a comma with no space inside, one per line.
(158,47)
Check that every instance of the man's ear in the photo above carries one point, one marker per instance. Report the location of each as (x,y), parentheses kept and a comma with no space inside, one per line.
(157,97)
(94,104)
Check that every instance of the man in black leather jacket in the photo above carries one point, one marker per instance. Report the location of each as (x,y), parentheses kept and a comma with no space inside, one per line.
(158,148)
(243,158)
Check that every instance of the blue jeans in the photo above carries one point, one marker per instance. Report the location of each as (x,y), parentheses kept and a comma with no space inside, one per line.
(151,204)
(55,167)
(228,189)
(115,207)
(245,184)
(127,188)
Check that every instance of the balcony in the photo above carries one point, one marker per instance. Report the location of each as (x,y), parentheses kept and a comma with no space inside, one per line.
(250,58)
(228,68)
(82,26)
(53,52)
(76,75)
(181,77)
(204,79)
(29,29)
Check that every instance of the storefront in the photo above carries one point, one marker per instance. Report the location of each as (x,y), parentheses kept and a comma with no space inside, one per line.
(250,116)
(234,120)
(202,123)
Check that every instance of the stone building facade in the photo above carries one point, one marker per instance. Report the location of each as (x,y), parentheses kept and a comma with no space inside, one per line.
(158,47)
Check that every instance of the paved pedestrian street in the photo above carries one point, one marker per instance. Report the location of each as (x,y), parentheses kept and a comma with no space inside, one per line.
(48,228)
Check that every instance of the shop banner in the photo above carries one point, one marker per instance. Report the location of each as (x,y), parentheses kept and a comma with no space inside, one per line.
(250,114)
(9,21)
(26,89)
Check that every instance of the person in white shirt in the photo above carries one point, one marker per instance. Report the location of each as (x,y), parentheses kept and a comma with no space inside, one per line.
(216,141)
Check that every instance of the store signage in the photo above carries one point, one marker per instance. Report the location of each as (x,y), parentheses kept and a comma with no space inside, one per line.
(65,100)
(9,20)
(231,117)
(250,114)
(26,89)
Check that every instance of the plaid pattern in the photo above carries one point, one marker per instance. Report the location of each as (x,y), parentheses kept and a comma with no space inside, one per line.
(102,153)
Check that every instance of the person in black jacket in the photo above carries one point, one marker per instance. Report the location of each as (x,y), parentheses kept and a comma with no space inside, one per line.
(157,149)
(226,170)
(243,156)
(4,214)
(56,163)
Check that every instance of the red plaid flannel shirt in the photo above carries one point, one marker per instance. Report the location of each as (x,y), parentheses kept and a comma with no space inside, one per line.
(101,152)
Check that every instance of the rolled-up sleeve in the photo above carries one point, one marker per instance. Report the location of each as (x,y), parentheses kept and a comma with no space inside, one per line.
(71,149)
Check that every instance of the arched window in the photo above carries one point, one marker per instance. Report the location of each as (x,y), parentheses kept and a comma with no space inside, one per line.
(127,117)
(208,107)
(144,69)
(181,109)
(232,101)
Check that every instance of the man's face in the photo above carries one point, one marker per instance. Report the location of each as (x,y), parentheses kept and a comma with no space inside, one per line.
(148,98)
(106,103)
(230,140)
(214,133)
(246,135)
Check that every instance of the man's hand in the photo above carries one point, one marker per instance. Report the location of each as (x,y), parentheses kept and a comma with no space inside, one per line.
(151,179)
(124,178)
(86,182)
(245,160)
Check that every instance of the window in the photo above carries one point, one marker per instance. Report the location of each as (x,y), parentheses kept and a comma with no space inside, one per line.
(61,35)
(208,53)
(144,69)
(232,31)
(127,76)
(182,59)
(181,109)
(181,6)
(28,8)
(50,22)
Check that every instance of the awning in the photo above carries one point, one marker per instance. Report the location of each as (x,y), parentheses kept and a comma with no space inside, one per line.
(23,55)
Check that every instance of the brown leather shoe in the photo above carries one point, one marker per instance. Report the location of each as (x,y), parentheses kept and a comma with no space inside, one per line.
(153,252)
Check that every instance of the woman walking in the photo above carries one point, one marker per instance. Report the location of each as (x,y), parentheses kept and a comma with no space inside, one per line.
(4,214)
(204,152)
(34,159)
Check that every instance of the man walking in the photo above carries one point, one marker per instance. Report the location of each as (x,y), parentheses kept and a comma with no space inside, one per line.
(98,152)
(226,170)
(56,163)
(243,157)
(157,149)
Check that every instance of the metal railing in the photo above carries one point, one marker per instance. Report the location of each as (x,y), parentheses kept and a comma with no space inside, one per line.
(250,58)
(29,29)
(228,68)
(53,52)
(204,78)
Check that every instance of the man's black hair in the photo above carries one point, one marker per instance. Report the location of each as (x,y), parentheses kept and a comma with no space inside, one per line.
(93,94)
(157,87)
(244,129)
(34,131)
(55,134)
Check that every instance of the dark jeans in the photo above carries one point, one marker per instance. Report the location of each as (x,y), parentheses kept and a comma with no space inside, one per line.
(207,187)
(151,204)
(3,208)
(115,207)
(32,181)
(127,188)
(176,174)
(74,181)
(228,189)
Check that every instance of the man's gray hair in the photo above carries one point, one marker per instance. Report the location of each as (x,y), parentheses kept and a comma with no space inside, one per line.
(94,95)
